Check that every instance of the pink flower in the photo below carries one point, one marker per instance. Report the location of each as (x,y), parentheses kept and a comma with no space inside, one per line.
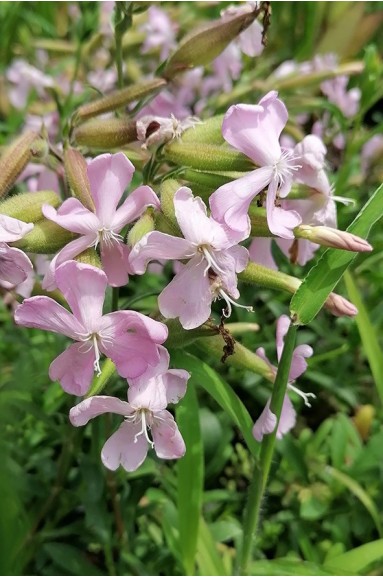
(211,271)
(25,77)
(14,264)
(130,339)
(255,131)
(145,410)
(267,421)
(160,32)
(109,175)
(250,40)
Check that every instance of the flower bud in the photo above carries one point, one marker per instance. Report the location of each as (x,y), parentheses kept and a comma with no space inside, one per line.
(117,99)
(144,225)
(206,157)
(167,191)
(203,45)
(27,206)
(105,133)
(89,257)
(330,237)
(339,306)
(15,158)
(45,237)
(209,131)
(77,176)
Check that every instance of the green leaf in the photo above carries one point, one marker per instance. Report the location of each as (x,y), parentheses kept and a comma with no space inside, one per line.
(285,567)
(190,478)
(203,375)
(359,493)
(357,560)
(368,334)
(324,276)
(208,560)
(71,559)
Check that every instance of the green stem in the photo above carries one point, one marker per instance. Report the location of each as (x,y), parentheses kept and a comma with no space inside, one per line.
(262,468)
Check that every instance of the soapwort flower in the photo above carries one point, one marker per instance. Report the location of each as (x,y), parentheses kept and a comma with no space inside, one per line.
(15,266)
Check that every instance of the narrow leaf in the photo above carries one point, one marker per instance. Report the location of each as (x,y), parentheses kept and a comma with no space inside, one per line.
(356,560)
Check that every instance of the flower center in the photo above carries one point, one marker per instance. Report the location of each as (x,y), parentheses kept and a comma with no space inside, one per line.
(145,416)
(284,167)
(206,253)
(106,236)
(91,341)
(216,287)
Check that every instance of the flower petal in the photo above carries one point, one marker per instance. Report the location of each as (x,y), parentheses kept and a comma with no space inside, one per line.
(44,313)
(15,266)
(73,216)
(96,405)
(250,40)
(157,245)
(255,129)
(265,424)
(115,262)
(134,206)
(74,368)
(188,295)
(175,381)
(12,229)
(168,441)
(230,203)
(83,286)
(124,449)
(109,175)
(192,217)
(287,419)
(283,325)
(281,222)
(299,363)
(148,393)
(260,252)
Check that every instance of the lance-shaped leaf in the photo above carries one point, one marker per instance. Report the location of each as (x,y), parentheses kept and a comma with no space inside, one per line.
(323,277)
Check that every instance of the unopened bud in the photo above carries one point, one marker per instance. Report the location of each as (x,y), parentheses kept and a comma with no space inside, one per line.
(363,420)
(27,206)
(167,191)
(330,237)
(117,99)
(105,133)
(144,225)
(203,45)
(159,130)
(46,237)
(15,158)
(206,157)
(339,306)
(209,131)
(77,176)
(89,257)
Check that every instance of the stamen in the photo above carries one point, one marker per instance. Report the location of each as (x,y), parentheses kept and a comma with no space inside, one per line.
(211,263)
(303,395)
(344,200)
(229,302)
(96,363)
(144,430)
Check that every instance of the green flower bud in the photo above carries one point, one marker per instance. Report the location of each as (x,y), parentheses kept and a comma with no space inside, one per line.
(167,191)
(117,99)
(27,206)
(203,45)
(77,176)
(206,157)
(209,131)
(89,257)
(45,237)
(105,134)
(15,158)
(144,225)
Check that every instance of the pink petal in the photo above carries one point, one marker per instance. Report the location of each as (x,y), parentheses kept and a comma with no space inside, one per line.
(73,216)
(120,322)
(283,325)
(74,368)
(12,229)
(230,203)
(226,261)
(44,313)
(124,449)
(260,351)
(89,408)
(302,254)
(67,253)
(175,381)
(168,441)
(188,295)
(255,129)
(115,262)
(265,424)
(109,175)
(250,40)
(281,223)
(287,419)
(260,252)
(299,363)
(158,369)
(132,354)
(148,393)
(83,286)
(157,245)
(191,216)
(15,266)
(134,206)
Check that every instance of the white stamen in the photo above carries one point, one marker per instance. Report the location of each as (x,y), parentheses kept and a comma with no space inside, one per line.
(211,263)
(229,302)
(344,200)
(96,363)
(283,167)
(303,395)
(107,237)
(144,430)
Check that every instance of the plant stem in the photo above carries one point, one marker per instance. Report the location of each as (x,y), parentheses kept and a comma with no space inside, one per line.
(262,468)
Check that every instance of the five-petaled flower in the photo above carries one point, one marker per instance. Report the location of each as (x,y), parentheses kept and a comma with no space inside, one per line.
(130,339)
(214,260)
(109,175)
